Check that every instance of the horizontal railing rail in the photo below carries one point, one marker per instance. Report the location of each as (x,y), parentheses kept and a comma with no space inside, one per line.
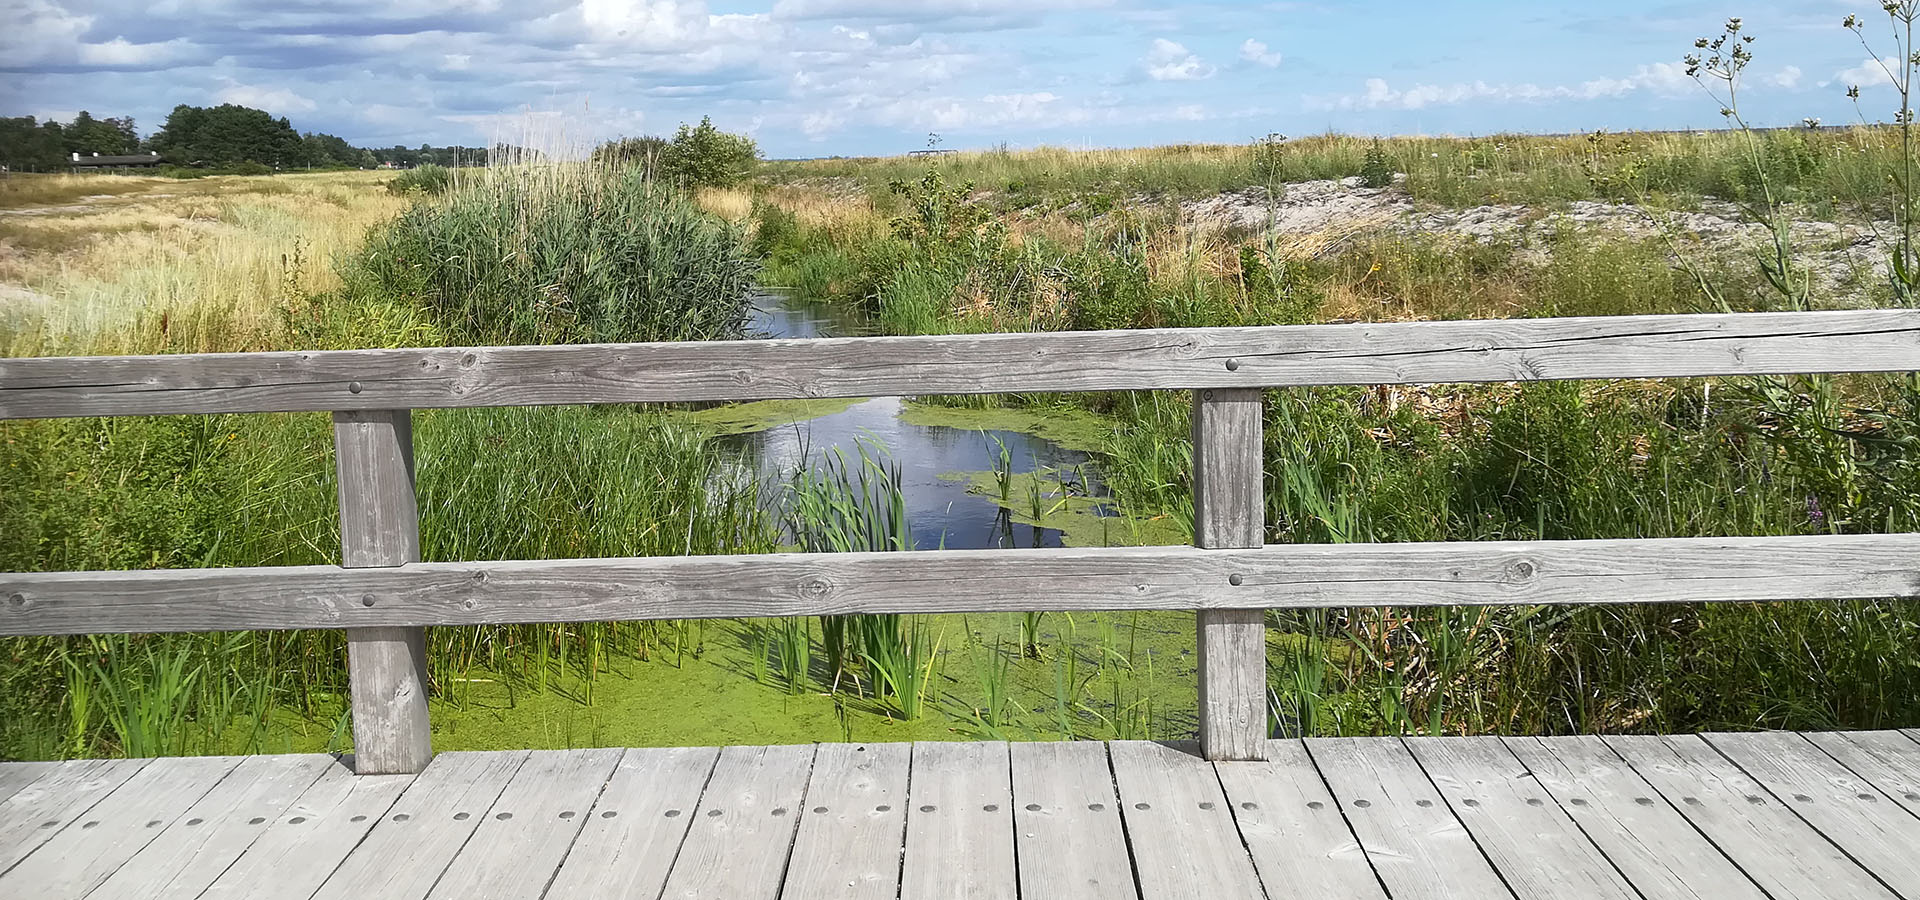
(1279,576)
(383,596)
(1275,356)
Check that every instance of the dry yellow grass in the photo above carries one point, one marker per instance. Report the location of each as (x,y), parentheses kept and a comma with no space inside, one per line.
(731,204)
(197,266)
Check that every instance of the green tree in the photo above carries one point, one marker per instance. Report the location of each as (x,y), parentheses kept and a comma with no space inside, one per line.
(705,156)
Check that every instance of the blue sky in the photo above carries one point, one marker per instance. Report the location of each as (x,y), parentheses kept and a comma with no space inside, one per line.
(820,77)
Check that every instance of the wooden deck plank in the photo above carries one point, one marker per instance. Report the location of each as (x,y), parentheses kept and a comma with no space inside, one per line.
(1537,849)
(1867,825)
(1888,759)
(1301,845)
(1185,843)
(184,859)
(1779,851)
(86,852)
(304,845)
(15,776)
(738,843)
(520,844)
(1068,839)
(404,854)
(37,812)
(960,823)
(1413,840)
(630,839)
(1648,840)
(853,825)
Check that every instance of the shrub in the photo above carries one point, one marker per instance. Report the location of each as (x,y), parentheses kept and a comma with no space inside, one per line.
(561,254)
(1377,170)
(705,156)
(427,179)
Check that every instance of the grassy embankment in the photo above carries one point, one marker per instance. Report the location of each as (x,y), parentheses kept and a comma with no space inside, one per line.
(1050,239)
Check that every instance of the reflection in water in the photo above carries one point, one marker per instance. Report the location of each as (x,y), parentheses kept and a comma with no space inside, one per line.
(941,511)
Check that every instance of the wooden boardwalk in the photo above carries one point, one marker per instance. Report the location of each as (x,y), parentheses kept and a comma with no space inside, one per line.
(1775,815)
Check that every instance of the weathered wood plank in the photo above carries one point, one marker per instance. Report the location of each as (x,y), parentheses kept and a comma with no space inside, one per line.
(304,845)
(519,845)
(738,844)
(15,776)
(1415,843)
(380,527)
(184,859)
(960,823)
(1867,824)
(1300,843)
(83,854)
(1537,849)
(1645,837)
(1819,567)
(628,844)
(1369,353)
(1229,512)
(406,853)
(1068,838)
(37,812)
(1779,851)
(1185,843)
(1889,759)
(854,824)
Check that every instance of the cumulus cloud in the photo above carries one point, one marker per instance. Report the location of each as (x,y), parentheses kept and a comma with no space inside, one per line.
(1169,61)
(1256,52)
(1788,78)
(277,100)
(1870,73)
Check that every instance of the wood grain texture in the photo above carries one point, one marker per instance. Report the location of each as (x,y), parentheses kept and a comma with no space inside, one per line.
(738,844)
(380,527)
(294,858)
(1777,849)
(1538,850)
(961,848)
(1369,353)
(629,841)
(1867,824)
(1648,840)
(1169,790)
(405,854)
(15,776)
(1300,843)
(117,828)
(853,824)
(518,847)
(1820,567)
(1888,759)
(37,812)
(1413,840)
(1068,839)
(184,859)
(1229,512)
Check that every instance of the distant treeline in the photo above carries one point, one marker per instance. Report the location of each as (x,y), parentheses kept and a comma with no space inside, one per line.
(222,137)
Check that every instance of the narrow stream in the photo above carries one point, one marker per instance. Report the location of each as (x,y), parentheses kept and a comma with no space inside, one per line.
(941,510)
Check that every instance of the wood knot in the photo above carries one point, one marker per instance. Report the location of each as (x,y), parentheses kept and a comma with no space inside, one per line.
(467,361)
(815,588)
(1521,570)
(17,601)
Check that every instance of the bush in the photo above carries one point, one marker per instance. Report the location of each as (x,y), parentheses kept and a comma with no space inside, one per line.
(1377,170)
(562,254)
(428,179)
(705,156)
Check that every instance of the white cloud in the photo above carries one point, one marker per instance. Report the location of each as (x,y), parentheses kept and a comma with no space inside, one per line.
(278,101)
(120,53)
(1169,61)
(1256,52)
(1665,79)
(1869,73)
(1788,78)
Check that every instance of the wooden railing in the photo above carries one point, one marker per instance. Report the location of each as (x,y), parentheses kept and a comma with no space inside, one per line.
(383,596)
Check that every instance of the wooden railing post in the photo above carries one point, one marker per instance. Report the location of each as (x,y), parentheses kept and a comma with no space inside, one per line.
(1229,511)
(380,526)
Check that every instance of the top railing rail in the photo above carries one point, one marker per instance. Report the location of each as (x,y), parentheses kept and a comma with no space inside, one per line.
(1273,356)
